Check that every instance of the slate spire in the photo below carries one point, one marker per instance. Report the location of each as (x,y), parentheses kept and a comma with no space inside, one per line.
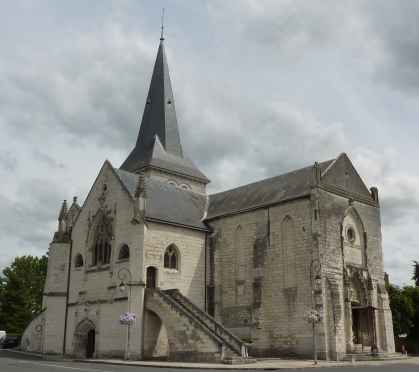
(158,142)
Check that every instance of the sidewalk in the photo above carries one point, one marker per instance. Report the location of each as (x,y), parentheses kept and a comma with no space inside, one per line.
(263,364)
(267,364)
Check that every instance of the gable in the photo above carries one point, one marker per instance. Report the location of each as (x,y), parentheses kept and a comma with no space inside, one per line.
(342,174)
(114,190)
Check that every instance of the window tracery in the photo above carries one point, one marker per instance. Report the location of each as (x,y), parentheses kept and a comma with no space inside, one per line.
(171,258)
(101,252)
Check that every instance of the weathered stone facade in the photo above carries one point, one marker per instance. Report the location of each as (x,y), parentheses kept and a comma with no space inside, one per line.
(218,276)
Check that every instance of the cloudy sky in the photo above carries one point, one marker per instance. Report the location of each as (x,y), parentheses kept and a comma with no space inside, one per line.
(261,87)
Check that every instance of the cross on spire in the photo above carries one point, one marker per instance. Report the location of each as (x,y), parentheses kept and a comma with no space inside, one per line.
(162,24)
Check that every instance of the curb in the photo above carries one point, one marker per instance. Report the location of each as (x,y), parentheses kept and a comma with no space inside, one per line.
(198,366)
(223,367)
(39,356)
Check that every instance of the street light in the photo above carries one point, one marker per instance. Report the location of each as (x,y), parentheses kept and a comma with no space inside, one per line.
(126,318)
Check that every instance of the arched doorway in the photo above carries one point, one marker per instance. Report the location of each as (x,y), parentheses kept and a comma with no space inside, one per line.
(90,346)
(151,277)
(85,339)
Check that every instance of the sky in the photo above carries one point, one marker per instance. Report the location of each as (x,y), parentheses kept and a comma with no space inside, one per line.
(261,87)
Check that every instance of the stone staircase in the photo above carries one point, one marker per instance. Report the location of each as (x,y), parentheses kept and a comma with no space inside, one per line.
(233,349)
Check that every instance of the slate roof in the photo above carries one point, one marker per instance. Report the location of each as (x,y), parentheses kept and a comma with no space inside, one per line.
(167,203)
(266,192)
(158,142)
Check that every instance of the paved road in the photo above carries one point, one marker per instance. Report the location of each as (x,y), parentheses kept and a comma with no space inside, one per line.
(12,363)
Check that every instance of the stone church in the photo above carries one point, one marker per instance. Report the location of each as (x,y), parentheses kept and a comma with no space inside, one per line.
(151,266)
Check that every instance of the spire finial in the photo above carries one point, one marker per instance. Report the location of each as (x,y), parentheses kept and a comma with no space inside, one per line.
(162,25)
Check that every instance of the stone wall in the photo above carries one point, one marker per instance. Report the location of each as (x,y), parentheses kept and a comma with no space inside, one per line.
(54,298)
(266,306)
(189,278)
(95,290)
(363,255)
(33,337)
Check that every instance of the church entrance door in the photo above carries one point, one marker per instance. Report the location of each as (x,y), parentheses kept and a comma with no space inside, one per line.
(151,277)
(90,344)
(363,328)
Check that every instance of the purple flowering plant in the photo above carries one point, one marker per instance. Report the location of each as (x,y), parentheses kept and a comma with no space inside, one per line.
(127,318)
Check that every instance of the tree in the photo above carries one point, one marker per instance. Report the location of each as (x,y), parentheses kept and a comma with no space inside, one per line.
(21,291)
(402,308)
(416,273)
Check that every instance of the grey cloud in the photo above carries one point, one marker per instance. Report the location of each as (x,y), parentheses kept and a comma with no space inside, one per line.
(31,217)
(84,91)
(91,88)
(8,161)
(262,140)
(394,25)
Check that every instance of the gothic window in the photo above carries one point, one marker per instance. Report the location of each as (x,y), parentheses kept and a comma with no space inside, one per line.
(353,238)
(239,255)
(288,252)
(257,293)
(101,251)
(123,252)
(78,262)
(171,258)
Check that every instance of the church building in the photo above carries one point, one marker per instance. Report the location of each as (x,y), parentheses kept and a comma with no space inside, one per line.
(151,266)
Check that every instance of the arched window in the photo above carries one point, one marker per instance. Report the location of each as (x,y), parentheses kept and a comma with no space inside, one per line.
(101,252)
(78,261)
(289,252)
(171,258)
(123,252)
(354,238)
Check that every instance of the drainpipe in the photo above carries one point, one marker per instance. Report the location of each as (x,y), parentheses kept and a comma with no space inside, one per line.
(205,275)
(68,290)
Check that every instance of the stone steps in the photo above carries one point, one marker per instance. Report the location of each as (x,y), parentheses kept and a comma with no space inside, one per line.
(234,343)
(233,349)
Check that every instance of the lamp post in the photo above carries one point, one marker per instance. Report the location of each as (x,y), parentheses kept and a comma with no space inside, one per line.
(126,318)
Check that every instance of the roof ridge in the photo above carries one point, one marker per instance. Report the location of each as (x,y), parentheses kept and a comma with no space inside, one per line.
(268,178)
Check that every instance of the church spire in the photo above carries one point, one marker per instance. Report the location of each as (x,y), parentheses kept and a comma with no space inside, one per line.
(159,117)
(158,142)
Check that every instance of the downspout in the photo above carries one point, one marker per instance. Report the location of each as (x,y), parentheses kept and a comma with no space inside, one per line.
(68,290)
(205,275)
